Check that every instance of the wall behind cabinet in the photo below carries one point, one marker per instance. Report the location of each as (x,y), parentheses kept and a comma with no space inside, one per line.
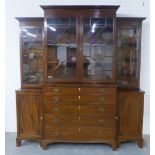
(18,8)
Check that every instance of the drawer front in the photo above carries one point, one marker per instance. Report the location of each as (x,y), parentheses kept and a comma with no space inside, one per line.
(79,99)
(79,91)
(91,109)
(107,121)
(79,133)
(60,90)
(101,91)
(60,133)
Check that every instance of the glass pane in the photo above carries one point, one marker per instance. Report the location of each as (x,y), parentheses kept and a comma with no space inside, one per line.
(32,55)
(128,53)
(61,48)
(98,48)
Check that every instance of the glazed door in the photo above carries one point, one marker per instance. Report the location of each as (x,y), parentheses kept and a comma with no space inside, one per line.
(31,55)
(29,114)
(128,54)
(61,48)
(98,49)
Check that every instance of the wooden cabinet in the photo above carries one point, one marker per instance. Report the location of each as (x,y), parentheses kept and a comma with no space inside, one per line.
(28,115)
(74,62)
(130,115)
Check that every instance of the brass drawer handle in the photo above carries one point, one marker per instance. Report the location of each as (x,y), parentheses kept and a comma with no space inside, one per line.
(56,133)
(56,120)
(79,89)
(101,120)
(55,109)
(101,109)
(56,90)
(79,129)
(56,99)
(103,91)
(101,99)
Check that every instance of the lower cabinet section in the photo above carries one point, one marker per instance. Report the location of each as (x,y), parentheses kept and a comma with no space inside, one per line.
(85,114)
(130,116)
(28,115)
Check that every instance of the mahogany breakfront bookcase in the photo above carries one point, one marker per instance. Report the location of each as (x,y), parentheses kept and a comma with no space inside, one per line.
(80,76)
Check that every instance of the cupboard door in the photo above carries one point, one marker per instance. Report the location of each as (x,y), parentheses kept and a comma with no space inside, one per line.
(28,115)
(32,55)
(61,48)
(98,49)
(128,53)
(130,115)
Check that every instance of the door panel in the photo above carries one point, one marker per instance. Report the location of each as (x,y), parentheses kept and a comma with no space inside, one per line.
(32,55)
(98,51)
(128,53)
(130,115)
(61,48)
(29,112)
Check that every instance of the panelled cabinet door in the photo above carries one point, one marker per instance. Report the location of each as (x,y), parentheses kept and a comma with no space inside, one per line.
(130,115)
(29,111)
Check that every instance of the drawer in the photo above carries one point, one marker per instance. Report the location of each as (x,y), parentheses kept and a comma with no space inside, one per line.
(98,90)
(79,91)
(90,109)
(60,90)
(79,133)
(107,121)
(96,133)
(79,99)
(60,133)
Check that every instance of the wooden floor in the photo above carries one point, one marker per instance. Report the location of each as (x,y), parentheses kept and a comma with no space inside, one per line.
(33,148)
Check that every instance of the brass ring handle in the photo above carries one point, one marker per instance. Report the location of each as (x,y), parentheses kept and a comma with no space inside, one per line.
(101,109)
(101,99)
(101,121)
(55,109)
(102,90)
(56,120)
(56,100)
(55,89)
(56,133)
